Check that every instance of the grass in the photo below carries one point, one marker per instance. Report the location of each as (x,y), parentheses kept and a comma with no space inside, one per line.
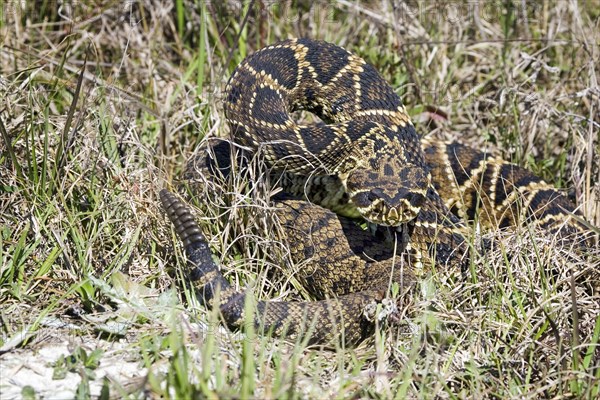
(103,102)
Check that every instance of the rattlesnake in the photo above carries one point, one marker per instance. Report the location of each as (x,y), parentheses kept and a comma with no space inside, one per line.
(364,160)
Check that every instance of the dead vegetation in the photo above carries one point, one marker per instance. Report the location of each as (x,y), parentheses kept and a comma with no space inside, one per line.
(104,101)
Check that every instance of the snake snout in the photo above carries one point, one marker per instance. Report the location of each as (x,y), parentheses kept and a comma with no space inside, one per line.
(388,200)
(402,208)
(394,216)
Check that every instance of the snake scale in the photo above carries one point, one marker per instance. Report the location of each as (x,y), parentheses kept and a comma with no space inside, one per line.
(363,160)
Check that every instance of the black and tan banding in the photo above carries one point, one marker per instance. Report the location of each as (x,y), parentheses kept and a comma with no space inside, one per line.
(366,139)
(365,268)
(364,162)
(498,194)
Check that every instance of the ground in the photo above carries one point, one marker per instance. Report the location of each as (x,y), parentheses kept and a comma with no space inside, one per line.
(103,101)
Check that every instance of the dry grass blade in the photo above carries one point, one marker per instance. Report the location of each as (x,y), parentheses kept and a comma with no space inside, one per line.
(66,139)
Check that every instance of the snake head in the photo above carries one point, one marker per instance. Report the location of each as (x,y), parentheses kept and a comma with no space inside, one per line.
(388,196)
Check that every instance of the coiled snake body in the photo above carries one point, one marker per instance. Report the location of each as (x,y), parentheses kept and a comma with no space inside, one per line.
(365,160)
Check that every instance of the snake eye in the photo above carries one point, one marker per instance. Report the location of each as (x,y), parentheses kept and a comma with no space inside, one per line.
(372,196)
(416,199)
(362,199)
